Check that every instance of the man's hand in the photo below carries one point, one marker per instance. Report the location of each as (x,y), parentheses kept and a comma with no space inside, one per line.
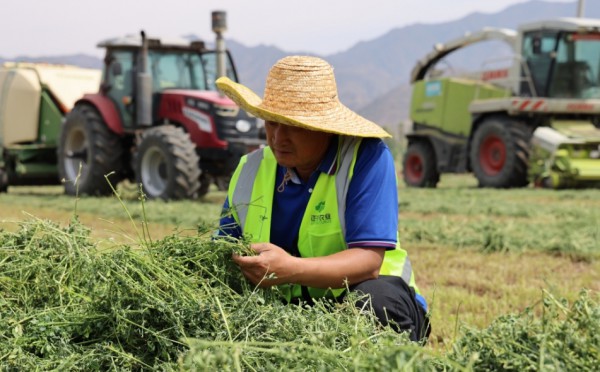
(274,266)
(271,266)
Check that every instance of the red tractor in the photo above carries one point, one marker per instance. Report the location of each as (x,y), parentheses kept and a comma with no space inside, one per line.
(157,120)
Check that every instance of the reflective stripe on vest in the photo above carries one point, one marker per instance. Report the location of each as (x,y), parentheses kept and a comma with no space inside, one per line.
(243,186)
(395,262)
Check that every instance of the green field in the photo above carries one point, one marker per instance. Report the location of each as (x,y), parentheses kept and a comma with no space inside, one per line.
(478,253)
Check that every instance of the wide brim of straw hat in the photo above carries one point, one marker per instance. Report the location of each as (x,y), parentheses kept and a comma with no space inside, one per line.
(337,119)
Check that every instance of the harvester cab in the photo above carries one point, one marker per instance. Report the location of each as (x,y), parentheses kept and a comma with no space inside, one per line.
(157,120)
(534,121)
(563,61)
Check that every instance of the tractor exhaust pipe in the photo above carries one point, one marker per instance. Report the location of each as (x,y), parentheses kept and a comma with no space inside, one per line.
(219,25)
(144,87)
(580,7)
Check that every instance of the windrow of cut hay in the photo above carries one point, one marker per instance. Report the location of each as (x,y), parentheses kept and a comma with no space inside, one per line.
(180,304)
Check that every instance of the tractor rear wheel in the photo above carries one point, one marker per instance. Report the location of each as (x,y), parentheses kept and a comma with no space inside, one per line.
(419,166)
(167,165)
(500,153)
(89,153)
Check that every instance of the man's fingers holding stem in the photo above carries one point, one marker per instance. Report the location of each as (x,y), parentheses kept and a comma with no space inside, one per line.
(254,267)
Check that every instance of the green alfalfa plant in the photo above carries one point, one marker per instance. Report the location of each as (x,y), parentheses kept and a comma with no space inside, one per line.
(143,236)
(146,301)
(76,184)
(493,238)
(66,303)
(70,304)
(564,337)
(60,292)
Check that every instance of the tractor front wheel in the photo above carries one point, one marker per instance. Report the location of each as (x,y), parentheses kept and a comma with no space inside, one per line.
(167,165)
(205,181)
(500,153)
(222,182)
(419,166)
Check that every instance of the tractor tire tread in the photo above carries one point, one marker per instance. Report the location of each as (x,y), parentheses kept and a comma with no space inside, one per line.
(105,165)
(430,174)
(516,137)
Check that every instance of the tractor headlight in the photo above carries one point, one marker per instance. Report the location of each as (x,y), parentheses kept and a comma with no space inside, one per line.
(243,126)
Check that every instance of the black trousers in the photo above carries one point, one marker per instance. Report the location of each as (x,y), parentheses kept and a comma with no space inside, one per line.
(393,302)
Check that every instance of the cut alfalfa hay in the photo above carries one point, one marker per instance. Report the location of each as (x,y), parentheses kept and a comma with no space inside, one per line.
(174,303)
(565,337)
(181,304)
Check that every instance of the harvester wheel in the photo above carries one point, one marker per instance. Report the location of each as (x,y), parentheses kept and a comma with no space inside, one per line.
(87,152)
(419,166)
(500,153)
(167,165)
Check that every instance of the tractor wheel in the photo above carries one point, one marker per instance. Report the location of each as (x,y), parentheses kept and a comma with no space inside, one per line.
(222,182)
(3,181)
(89,153)
(205,181)
(167,165)
(500,153)
(419,166)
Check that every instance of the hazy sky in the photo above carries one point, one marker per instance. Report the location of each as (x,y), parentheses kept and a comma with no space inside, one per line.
(56,27)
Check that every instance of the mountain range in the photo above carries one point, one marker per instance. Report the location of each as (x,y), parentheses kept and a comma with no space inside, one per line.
(373,76)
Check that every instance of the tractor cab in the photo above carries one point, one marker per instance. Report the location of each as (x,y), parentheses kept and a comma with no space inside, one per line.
(562,57)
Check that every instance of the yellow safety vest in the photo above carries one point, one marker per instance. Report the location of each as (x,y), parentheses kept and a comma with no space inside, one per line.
(323,227)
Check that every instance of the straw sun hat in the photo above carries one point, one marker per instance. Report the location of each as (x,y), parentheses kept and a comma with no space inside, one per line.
(301,91)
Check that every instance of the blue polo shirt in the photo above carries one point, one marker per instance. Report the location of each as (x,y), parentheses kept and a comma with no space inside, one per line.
(371,205)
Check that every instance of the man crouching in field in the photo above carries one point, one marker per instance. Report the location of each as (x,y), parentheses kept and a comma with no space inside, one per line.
(320,203)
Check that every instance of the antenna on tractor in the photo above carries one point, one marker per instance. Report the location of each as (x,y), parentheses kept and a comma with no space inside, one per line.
(144,86)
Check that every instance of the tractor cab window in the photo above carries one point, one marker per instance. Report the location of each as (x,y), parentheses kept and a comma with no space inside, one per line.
(176,69)
(576,68)
(119,82)
(538,53)
(209,61)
